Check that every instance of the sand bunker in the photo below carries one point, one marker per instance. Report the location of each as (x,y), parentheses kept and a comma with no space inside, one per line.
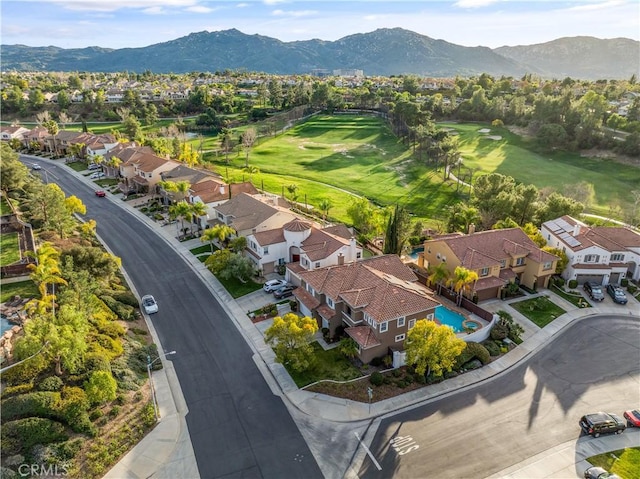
(484,130)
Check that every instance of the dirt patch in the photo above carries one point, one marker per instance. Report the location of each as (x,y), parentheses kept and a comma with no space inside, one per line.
(610,155)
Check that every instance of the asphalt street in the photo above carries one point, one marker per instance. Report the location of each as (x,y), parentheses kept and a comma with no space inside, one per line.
(592,366)
(238,427)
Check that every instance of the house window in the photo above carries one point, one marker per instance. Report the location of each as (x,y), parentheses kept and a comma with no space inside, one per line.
(519,261)
(484,272)
(330,303)
(347,310)
(503,263)
(412,323)
(429,316)
(317,264)
(358,255)
(384,327)
(546,265)
(591,258)
(400,337)
(265,250)
(401,321)
(617,257)
(310,290)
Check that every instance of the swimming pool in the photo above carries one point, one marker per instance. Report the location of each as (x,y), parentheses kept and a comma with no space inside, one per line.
(450,318)
(5,325)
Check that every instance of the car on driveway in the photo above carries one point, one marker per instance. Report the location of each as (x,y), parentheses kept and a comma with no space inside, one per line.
(284,291)
(97,174)
(149,304)
(101,193)
(633,417)
(616,294)
(273,284)
(595,472)
(594,291)
(602,423)
(36,166)
(94,166)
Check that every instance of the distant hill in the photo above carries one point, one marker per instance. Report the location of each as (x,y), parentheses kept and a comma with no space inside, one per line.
(580,57)
(382,52)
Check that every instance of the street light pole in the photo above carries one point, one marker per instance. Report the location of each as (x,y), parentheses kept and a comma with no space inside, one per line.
(153,389)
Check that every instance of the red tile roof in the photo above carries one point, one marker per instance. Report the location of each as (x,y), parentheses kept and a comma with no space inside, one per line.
(364,336)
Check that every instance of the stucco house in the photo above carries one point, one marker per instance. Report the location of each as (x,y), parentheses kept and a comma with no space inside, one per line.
(141,169)
(376,300)
(301,246)
(247,214)
(599,254)
(214,192)
(499,257)
(13,131)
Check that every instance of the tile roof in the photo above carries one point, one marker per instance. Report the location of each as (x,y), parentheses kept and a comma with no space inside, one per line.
(326,312)
(306,298)
(610,238)
(364,336)
(339,230)
(297,225)
(489,282)
(488,248)
(246,211)
(320,244)
(269,237)
(382,286)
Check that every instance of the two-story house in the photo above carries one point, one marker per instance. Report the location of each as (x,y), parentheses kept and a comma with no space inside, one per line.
(599,254)
(376,300)
(141,169)
(247,214)
(301,246)
(214,192)
(13,131)
(499,257)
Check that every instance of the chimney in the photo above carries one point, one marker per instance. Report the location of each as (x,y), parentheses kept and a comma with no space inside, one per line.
(472,228)
(576,229)
(340,259)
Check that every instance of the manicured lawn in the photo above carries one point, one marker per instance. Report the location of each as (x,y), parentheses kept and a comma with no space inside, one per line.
(9,248)
(237,288)
(539,310)
(623,462)
(575,298)
(336,156)
(513,156)
(328,365)
(204,249)
(24,289)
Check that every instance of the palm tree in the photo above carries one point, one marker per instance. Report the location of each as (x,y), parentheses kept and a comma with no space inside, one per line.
(461,281)
(292,189)
(180,210)
(46,271)
(325,205)
(438,275)
(219,232)
(250,170)
(198,209)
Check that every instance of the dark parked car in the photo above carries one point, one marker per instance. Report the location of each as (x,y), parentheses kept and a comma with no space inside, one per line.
(616,294)
(602,423)
(284,291)
(632,417)
(595,472)
(594,291)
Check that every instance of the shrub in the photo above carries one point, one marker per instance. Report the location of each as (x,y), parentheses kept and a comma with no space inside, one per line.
(624,282)
(19,389)
(67,450)
(479,352)
(96,414)
(376,378)
(96,362)
(632,288)
(499,331)
(420,379)
(471,365)
(111,329)
(126,297)
(28,432)
(148,415)
(396,373)
(115,410)
(110,347)
(121,399)
(573,284)
(25,372)
(51,383)
(123,311)
(139,331)
(492,347)
(101,387)
(39,404)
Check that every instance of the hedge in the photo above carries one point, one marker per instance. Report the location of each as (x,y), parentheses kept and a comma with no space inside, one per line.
(473,351)
(40,404)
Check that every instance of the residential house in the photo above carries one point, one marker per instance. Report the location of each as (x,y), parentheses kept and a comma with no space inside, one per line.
(14,131)
(599,254)
(141,169)
(36,136)
(499,257)
(187,174)
(248,214)
(301,246)
(213,192)
(376,300)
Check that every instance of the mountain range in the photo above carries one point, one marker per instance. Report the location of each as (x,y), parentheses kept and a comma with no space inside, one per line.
(384,52)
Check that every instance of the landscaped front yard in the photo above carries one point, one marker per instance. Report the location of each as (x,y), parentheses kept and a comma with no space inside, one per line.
(328,364)
(625,462)
(539,310)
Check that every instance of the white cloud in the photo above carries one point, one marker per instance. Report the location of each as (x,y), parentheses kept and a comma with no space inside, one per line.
(596,6)
(199,9)
(242,5)
(273,2)
(474,3)
(155,11)
(294,13)
(112,5)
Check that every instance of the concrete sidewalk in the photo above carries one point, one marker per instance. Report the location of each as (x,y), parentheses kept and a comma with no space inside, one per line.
(166,452)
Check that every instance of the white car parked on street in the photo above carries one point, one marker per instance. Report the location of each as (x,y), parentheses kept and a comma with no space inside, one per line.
(149,304)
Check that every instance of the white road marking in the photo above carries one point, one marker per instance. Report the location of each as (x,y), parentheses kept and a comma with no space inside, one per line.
(368,452)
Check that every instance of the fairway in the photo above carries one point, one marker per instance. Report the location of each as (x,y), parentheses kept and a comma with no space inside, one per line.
(333,156)
(510,156)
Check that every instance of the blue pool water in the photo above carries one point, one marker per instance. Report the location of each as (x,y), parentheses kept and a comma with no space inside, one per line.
(450,318)
(4,324)
(415,251)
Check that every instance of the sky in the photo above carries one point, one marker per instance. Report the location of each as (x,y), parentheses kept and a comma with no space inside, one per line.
(138,23)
